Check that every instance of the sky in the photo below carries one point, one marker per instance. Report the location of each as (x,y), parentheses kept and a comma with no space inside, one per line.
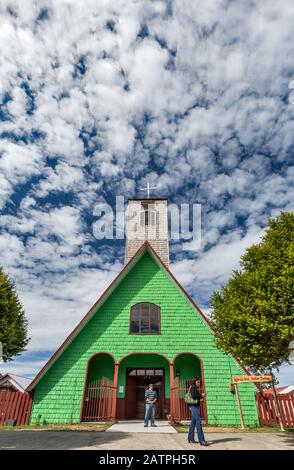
(97,98)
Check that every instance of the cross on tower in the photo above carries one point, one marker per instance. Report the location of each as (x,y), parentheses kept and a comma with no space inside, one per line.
(148,189)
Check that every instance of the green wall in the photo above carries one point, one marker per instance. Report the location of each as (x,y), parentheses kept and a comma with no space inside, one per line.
(58,395)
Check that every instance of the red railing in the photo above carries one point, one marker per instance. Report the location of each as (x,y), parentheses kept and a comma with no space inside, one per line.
(15,407)
(99,401)
(267,411)
(179,408)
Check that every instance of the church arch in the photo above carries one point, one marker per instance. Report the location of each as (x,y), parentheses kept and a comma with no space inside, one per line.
(100,369)
(100,365)
(136,371)
(188,365)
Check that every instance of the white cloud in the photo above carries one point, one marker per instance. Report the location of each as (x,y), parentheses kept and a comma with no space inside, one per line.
(215,265)
(63,177)
(199,107)
(18,163)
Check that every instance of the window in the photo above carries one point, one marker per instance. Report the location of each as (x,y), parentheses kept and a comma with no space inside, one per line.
(148,215)
(145,372)
(145,319)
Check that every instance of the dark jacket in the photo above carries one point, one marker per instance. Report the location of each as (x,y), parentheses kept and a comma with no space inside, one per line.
(195,393)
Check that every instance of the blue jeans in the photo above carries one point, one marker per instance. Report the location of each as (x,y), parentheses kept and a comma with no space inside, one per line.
(195,421)
(149,413)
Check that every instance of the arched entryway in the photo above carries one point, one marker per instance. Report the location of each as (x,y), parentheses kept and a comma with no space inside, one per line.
(136,371)
(186,366)
(99,397)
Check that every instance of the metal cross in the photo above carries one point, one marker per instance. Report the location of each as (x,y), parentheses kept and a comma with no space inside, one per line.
(148,189)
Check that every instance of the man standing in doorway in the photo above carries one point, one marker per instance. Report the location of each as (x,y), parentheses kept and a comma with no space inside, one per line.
(150,400)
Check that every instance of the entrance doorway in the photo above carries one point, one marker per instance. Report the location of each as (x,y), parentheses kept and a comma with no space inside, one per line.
(137,381)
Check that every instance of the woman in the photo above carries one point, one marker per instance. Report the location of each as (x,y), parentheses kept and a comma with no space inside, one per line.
(195,393)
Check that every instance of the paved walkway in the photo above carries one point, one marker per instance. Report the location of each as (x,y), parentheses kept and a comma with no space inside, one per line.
(86,440)
(162,427)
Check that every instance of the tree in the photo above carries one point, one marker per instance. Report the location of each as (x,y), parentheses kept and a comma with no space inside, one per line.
(253,314)
(13,324)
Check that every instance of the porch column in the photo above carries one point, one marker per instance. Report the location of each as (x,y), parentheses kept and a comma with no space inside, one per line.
(171,374)
(114,397)
(172,391)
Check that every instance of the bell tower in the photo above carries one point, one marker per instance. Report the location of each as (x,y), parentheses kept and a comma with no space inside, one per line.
(147,221)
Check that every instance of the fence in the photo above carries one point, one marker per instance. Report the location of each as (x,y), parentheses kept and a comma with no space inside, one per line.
(179,408)
(15,407)
(99,401)
(268,413)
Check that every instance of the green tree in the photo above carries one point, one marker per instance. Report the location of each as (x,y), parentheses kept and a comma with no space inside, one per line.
(253,314)
(13,324)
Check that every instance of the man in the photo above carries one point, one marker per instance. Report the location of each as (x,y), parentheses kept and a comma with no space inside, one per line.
(150,400)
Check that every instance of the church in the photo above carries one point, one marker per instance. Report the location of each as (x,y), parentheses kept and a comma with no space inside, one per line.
(144,328)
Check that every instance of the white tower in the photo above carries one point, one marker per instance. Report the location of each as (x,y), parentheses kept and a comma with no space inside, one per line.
(147,220)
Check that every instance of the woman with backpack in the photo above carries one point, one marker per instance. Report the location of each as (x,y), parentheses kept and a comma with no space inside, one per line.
(193,398)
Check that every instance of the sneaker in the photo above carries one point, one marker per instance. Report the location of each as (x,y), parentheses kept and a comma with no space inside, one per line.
(154,425)
(145,425)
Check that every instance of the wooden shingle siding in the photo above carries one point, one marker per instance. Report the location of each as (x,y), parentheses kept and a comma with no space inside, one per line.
(58,395)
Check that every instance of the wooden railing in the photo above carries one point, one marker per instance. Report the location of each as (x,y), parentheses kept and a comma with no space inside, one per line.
(179,408)
(267,411)
(99,401)
(15,408)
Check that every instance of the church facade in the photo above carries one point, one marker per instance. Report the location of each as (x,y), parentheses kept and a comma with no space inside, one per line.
(144,328)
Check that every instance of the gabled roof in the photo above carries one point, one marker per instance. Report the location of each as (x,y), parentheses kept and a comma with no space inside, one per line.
(286,390)
(145,247)
(281,390)
(19,383)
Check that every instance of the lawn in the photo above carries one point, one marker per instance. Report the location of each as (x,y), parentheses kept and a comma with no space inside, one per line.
(97,427)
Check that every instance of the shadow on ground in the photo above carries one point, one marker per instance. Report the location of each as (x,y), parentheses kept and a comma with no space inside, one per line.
(287,438)
(228,439)
(61,440)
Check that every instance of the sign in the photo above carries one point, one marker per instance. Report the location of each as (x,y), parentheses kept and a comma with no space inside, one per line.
(121,389)
(237,379)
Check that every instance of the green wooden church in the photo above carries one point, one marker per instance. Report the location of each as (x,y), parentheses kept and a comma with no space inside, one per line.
(144,328)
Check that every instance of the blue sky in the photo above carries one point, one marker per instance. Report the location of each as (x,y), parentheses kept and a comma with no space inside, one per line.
(99,97)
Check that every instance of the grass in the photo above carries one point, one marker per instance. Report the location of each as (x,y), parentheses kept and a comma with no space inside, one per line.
(184,428)
(100,427)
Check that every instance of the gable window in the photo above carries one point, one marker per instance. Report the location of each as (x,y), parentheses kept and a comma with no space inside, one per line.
(145,319)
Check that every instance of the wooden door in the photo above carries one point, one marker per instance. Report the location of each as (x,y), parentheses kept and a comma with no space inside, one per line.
(159,403)
(140,400)
(131,397)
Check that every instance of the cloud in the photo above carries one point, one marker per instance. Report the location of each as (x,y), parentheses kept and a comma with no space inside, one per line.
(62,178)
(213,267)
(97,98)
(18,163)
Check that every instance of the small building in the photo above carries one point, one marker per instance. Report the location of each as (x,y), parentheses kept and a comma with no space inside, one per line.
(144,328)
(13,383)
(285,390)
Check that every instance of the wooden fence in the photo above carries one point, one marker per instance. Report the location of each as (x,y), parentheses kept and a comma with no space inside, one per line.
(99,401)
(15,407)
(179,408)
(268,413)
